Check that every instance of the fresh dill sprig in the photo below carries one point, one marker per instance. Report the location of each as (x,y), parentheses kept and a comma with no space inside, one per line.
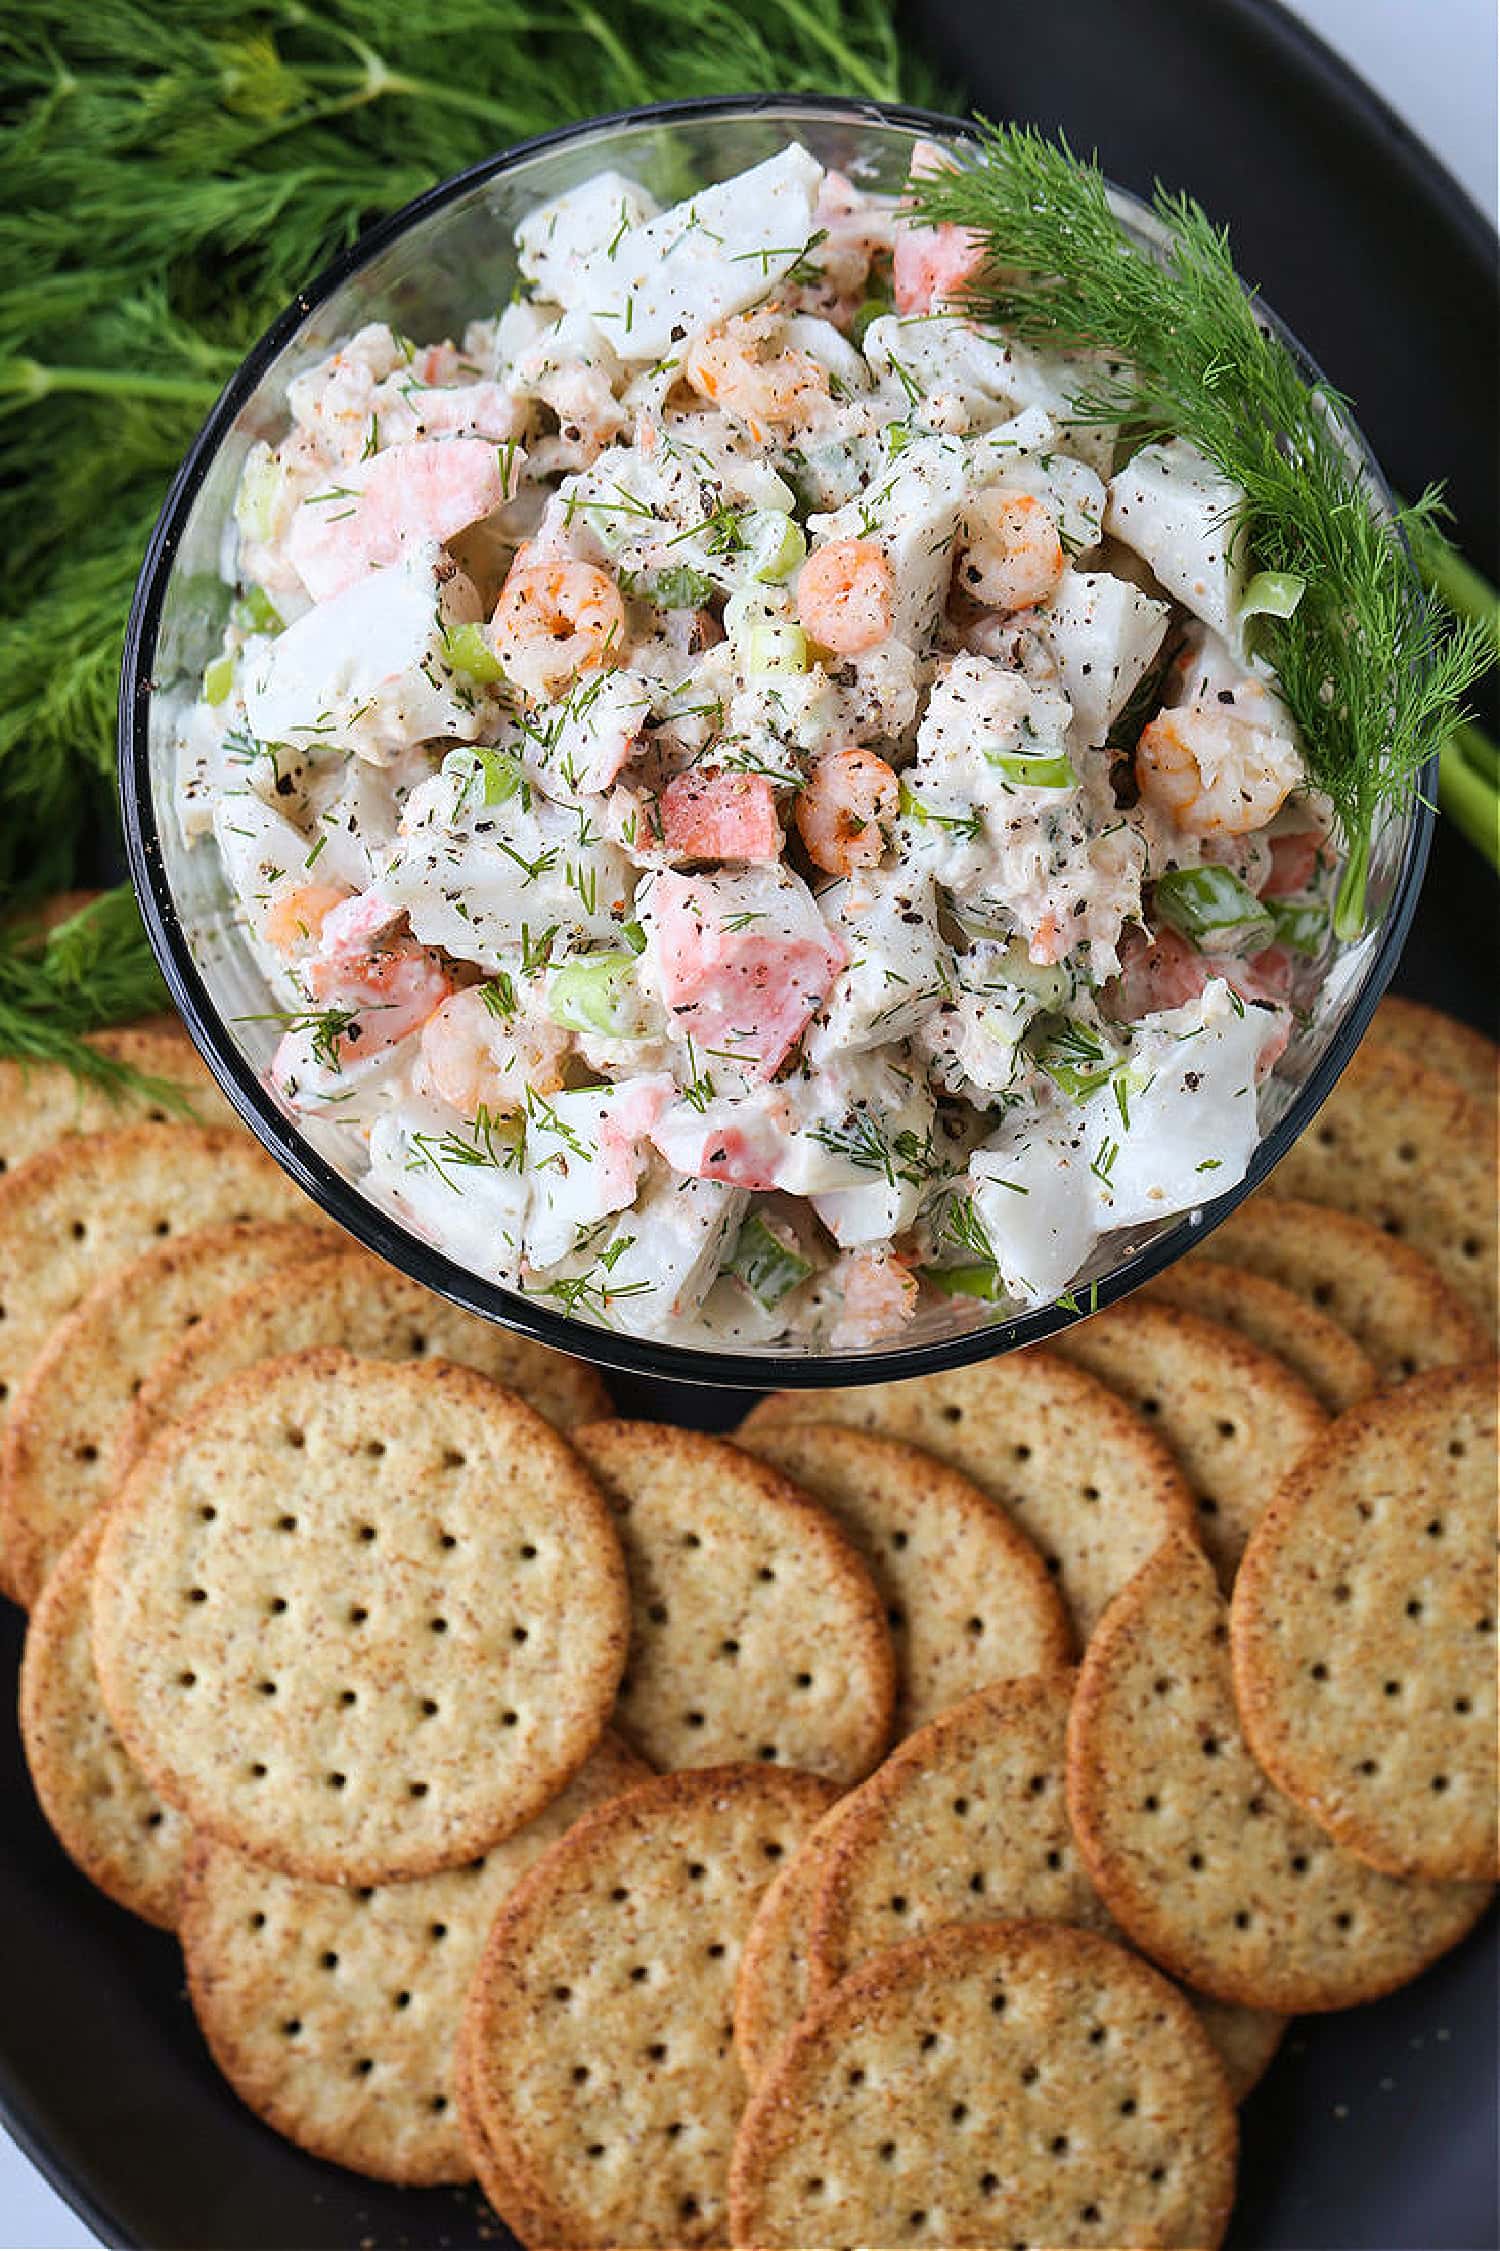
(91,970)
(1369,663)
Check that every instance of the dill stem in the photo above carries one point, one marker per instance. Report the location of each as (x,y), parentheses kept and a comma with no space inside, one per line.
(1467,592)
(1471,802)
(34,380)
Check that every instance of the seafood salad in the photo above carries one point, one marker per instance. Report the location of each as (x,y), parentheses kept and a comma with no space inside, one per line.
(758,817)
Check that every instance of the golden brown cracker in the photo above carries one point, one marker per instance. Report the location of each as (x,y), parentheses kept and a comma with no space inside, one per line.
(1439,1043)
(1321,1354)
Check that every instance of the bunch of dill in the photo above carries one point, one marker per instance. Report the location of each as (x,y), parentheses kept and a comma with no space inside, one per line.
(170,174)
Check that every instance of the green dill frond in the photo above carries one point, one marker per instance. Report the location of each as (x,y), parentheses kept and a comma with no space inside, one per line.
(94,969)
(1370,665)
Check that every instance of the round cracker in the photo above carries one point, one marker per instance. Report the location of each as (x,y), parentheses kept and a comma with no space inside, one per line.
(756,1631)
(999,2083)
(967,1595)
(86,1208)
(1235,1417)
(1095,1490)
(1318,1352)
(1390,1299)
(1402,1146)
(1439,1043)
(57,1450)
(42,1103)
(353,1301)
(599,2034)
(1244,2040)
(967,1822)
(1199,1857)
(100,1807)
(333,2010)
(358,1620)
(1363,1631)
(772,1989)
(477,2149)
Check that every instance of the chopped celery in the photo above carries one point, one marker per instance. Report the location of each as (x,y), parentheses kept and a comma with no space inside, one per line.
(776,646)
(1300,924)
(1215,910)
(255,612)
(776,544)
(767,1261)
(259,494)
(218,679)
(596,993)
(468,650)
(964,1281)
(873,308)
(635,937)
(1047,982)
(1272,594)
(1054,771)
(679,587)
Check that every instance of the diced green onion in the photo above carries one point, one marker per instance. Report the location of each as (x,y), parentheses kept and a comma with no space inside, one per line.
(596,994)
(256,501)
(680,587)
(634,937)
(774,646)
(776,543)
(964,1281)
(468,650)
(1075,1058)
(1216,911)
(1300,923)
(873,308)
(1050,772)
(504,776)
(218,679)
(766,1261)
(255,612)
(1272,594)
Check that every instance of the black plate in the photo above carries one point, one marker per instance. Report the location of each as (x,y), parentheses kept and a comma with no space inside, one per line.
(1376,2130)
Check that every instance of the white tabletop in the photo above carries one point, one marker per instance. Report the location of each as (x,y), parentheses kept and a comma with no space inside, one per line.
(1435,63)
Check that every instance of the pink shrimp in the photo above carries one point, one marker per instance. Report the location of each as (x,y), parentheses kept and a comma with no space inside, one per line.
(294,923)
(720,817)
(366,966)
(554,620)
(1012,556)
(744,369)
(846,596)
(877,1296)
(473,1059)
(933,263)
(1165,972)
(409,492)
(845,813)
(1295,861)
(1214,773)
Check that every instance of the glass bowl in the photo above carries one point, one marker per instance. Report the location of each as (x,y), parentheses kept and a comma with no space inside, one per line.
(426,271)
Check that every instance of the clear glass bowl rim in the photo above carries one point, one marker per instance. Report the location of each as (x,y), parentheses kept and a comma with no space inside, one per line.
(368,1223)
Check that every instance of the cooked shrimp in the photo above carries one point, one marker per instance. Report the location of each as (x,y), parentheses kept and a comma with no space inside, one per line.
(846,596)
(745,370)
(1213,773)
(475,1059)
(846,810)
(369,967)
(555,620)
(1012,556)
(878,1298)
(294,922)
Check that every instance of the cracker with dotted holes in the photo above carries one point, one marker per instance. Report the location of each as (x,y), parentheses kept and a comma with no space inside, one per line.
(968,1823)
(1392,1300)
(333,2009)
(89,1206)
(1198,1856)
(43,1103)
(1400,1145)
(1363,1631)
(756,1631)
(1324,1356)
(771,1990)
(1439,1043)
(98,1804)
(599,2038)
(348,1299)
(1095,1490)
(995,2083)
(359,1620)
(477,2149)
(56,1454)
(968,1596)
(1235,1416)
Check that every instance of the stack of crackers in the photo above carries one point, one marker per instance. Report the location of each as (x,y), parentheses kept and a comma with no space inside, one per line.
(910,1823)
